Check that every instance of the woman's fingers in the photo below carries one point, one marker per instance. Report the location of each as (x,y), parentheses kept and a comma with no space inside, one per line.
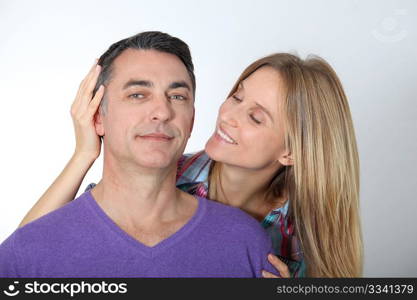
(85,80)
(90,85)
(84,93)
(281,267)
(83,110)
(266,274)
(96,100)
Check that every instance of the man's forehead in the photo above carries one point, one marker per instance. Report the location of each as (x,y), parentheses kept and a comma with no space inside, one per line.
(150,84)
(149,65)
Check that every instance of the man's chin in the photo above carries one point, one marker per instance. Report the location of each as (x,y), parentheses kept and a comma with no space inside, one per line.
(155,157)
(155,165)
(155,161)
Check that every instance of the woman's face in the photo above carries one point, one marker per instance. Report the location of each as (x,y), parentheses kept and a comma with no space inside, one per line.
(249,130)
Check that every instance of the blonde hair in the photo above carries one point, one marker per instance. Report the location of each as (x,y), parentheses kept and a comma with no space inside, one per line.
(323,182)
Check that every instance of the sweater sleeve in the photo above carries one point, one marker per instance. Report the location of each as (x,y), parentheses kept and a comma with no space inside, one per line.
(265,248)
(8,258)
(259,245)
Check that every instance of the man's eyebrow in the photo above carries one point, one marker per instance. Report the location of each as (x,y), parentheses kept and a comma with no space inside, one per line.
(179,84)
(132,82)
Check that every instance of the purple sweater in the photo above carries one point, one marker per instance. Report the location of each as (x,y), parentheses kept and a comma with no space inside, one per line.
(80,240)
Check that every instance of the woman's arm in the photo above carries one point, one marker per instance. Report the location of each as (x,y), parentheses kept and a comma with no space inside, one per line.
(62,190)
(88,145)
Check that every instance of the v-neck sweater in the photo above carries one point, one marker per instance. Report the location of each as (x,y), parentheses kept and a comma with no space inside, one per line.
(80,240)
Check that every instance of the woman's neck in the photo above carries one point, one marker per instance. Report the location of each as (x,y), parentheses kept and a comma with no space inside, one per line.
(246,189)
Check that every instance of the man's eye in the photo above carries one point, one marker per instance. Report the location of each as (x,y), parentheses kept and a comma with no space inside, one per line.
(136,96)
(177,97)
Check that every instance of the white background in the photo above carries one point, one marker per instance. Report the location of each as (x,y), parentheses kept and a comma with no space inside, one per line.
(46,48)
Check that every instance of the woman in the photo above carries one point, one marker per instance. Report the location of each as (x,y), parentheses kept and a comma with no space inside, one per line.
(283,150)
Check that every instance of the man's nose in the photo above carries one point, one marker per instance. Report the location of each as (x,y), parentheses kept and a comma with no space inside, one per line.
(162,110)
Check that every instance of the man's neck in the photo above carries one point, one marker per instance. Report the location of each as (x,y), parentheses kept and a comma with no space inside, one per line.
(138,195)
(144,202)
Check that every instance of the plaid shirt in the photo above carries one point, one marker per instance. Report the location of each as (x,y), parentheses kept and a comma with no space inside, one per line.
(192,177)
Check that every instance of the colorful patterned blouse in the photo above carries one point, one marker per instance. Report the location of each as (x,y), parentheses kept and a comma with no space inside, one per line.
(192,177)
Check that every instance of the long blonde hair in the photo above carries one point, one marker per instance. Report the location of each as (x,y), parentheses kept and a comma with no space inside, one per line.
(323,183)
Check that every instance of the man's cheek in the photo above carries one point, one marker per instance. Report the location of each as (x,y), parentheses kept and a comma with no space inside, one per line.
(192,124)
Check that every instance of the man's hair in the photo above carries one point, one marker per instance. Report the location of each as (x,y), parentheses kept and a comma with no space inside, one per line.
(148,40)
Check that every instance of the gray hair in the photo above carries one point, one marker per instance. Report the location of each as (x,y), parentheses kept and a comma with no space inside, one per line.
(148,40)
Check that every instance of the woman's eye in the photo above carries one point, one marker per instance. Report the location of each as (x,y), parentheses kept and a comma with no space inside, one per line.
(177,97)
(236,98)
(255,119)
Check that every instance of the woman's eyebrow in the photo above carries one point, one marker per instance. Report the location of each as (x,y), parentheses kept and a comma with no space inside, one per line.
(265,110)
(257,104)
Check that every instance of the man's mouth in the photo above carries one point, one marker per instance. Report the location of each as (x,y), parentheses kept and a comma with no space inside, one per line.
(224,136)
(157,137)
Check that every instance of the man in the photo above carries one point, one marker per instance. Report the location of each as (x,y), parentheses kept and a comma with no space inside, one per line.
(135,223)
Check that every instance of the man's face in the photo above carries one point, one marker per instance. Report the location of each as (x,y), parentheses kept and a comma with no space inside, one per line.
(150,109)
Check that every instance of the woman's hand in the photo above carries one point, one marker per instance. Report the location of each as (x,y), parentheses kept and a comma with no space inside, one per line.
(83,112)
(66,185)
(281,267)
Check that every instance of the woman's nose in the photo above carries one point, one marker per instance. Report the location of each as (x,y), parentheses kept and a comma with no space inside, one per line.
(229,115)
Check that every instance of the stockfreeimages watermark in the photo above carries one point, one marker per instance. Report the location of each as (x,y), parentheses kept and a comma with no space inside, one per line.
(70,289)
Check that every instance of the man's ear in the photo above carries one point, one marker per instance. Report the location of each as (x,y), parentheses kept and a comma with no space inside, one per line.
(286,159)
(98,122)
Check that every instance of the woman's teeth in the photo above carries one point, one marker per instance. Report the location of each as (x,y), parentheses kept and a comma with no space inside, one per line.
(225,137)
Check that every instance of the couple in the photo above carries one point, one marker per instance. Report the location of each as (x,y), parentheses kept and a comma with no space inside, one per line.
(283,151)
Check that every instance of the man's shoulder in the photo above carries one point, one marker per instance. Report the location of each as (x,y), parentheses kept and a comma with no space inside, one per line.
(63,219)
(229,213)
(48,241)
(243,235)
(235,220)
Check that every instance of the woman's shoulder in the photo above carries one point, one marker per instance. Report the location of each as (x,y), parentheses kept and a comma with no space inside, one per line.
(193,168)
(192,159)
